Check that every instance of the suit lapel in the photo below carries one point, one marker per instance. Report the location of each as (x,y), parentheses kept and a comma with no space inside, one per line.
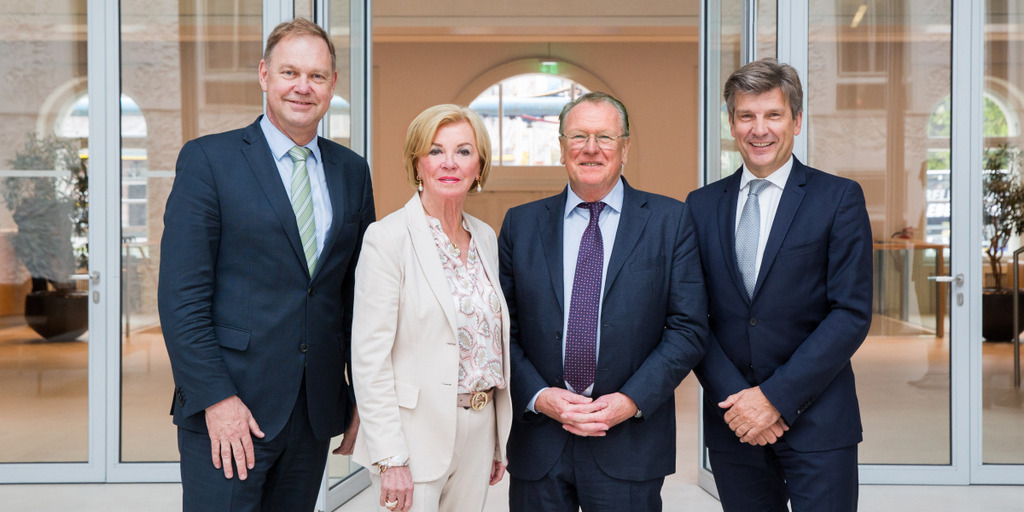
(336,190)
(551,228)
(792,196)
(727,228)
(426,253)
(264,168)
(632,221)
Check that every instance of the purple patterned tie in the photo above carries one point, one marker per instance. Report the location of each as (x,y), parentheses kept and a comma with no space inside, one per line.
(581,338)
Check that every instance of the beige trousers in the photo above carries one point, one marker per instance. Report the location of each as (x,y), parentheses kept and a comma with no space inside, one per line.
(463,488)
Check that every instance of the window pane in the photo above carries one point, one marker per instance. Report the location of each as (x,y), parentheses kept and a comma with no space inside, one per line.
(1002,411)
(877,72)
(43,235)
(207,55)
(521,114)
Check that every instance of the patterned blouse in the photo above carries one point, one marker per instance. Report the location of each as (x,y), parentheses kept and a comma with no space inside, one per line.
(479,314)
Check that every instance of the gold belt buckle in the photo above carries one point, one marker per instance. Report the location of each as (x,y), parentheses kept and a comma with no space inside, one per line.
(478,401)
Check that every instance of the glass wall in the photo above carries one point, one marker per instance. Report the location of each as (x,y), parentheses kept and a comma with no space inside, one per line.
(190,69)
(1003,107)
(44,194)
(877,71)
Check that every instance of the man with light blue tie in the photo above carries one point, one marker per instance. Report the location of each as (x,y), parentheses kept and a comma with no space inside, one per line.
(262,232)
(608,314)
(787,257)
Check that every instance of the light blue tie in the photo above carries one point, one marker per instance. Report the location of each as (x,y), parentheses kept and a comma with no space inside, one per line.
(748,234)
(302,204)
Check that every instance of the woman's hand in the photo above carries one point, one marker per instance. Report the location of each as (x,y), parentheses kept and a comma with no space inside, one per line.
(396,485)
(497,472)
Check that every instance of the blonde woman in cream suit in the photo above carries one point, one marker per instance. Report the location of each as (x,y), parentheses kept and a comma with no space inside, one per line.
(430,336)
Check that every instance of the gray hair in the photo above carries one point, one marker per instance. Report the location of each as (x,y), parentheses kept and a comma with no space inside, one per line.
(595,97)
(761,76)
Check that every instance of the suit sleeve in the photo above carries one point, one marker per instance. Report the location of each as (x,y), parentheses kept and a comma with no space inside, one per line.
(795,385)
(717,373)
(377,294)
(527,380)
(684,339)
(190,243)
(367,215)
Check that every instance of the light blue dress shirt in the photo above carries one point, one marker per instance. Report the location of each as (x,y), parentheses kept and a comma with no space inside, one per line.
(575,223)
(279,145)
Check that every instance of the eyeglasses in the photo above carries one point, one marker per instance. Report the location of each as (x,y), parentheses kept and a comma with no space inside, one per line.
(578,140)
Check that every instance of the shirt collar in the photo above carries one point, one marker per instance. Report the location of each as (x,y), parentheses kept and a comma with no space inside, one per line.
(280,143)
(777,178)
(612,200)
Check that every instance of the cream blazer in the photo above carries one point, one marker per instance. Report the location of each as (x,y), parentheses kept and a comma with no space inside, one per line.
(405,359)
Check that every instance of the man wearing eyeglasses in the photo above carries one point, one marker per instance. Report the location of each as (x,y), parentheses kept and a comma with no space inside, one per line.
(608,312)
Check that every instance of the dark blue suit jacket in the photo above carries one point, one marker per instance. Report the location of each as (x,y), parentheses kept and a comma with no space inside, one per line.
(239,312)
(810,310)
(653,326)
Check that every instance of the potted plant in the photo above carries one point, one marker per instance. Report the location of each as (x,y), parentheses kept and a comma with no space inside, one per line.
(52,218)
(1003,218)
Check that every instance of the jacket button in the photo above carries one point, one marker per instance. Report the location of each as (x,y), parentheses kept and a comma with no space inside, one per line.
(303,347)
(558,335)
(753,321)
(309,292)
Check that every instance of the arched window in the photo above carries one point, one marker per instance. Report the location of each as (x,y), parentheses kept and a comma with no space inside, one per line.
(521,115)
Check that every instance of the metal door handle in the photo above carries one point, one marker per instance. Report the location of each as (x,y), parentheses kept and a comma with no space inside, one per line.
(959,279)
(93,278)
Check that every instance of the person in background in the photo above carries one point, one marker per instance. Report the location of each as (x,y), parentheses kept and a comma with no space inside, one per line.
(261,236)
(430,350)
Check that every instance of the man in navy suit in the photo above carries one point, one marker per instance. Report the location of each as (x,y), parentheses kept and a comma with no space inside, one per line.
(786,252)
(608,312)
(262,232)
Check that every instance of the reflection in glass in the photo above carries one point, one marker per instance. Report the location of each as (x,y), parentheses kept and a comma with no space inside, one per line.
(521,114)
(767,28)
(187,70)
(43,238)
(1002,410)
(877,72)
(727,50)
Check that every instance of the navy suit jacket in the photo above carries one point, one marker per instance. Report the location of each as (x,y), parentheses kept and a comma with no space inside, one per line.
(653,326)
(810,311)
(239,311)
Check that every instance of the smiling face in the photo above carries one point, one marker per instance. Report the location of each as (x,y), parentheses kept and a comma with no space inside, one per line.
(764,127)
(299,81)
(451,165)
(593,171)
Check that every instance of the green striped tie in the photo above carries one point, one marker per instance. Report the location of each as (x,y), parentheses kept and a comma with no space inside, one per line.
(302,204)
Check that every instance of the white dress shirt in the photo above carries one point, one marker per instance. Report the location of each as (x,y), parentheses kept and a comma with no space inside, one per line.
(768,199)
(280,144)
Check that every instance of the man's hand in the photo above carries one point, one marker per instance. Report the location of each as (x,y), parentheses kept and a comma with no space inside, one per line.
(348,439)
(230,423)
(750,415)
(771,435)
(556,402)
(610,410)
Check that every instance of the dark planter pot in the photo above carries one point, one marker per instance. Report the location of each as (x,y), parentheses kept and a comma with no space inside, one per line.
(57,315)
(997,317)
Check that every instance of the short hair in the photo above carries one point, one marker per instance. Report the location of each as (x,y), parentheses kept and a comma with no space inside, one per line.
(298,27)
(595,97)
(761,76)
(420,136)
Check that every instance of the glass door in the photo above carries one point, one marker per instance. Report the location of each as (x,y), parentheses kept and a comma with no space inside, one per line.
(998,455)
(51,333)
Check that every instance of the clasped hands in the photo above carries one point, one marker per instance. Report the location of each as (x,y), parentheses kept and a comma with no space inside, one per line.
(753,418)
(583,415)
